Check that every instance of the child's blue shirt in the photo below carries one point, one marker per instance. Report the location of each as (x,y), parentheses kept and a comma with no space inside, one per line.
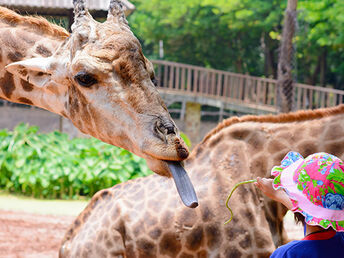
(318,245)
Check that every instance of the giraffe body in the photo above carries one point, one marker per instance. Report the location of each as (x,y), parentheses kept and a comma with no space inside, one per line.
(144,217)
(97,77)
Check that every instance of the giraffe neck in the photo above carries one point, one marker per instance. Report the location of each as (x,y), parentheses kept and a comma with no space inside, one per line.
(20,42)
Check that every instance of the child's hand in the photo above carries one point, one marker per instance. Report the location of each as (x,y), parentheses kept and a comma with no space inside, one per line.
(265,185)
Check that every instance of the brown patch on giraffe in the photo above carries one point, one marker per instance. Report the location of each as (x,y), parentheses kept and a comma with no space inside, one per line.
(25,84)
(0,55)
(154,205)
(25,101)
(277,157)
(126,71)
(149,219)
(263,254)
(169,244)
(335,147)
(100,251)
(307,148)
(7,85)
(108,244)
(138,229)
(85,215)
(43,51)
(240,134)
(256,141)
(206,212)
(213,235)
(315,131)
(77,223)
(246,242)
(104,194)
(155,233)
(146,248)
(76,101)
(194,239)
(261,238)
(202,254)
(275,145)
(259,164)
(198,152)
(334,131)
(167,219)
(187,217)
(185,255)
(234,231)
(233,252)
(15,56)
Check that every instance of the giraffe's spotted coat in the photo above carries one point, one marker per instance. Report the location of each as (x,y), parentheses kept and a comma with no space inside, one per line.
(159,229)
(7,85)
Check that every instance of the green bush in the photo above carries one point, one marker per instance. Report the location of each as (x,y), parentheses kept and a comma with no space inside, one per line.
(54,166)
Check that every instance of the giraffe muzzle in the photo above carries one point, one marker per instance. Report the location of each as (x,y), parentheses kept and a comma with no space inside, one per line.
(183,183)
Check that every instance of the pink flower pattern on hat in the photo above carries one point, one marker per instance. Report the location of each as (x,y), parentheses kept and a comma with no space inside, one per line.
(317,184)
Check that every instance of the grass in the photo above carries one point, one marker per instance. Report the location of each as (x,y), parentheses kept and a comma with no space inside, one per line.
(51,207)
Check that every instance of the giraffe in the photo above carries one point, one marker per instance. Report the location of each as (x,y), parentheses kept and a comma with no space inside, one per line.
(143,217)
(97,77)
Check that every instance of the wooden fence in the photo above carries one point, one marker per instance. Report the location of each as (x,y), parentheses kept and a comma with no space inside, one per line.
(241,89)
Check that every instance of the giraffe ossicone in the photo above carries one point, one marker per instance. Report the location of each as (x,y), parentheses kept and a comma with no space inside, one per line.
(97,77)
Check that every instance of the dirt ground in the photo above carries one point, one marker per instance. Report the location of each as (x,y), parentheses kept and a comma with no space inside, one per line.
(31,235)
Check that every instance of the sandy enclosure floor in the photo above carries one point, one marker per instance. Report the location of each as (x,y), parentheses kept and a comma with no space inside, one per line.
(31,235)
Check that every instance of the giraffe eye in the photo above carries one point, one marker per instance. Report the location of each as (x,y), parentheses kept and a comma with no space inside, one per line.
(154,81)
(85,79)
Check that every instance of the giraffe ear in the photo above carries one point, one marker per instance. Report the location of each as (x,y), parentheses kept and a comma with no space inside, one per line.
(36,71)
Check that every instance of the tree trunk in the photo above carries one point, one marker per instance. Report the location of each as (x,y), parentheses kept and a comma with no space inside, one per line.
(285,91)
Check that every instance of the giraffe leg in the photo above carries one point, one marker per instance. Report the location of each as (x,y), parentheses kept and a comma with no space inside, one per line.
(274,214)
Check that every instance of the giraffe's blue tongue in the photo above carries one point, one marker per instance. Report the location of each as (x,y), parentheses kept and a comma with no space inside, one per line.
(184,186)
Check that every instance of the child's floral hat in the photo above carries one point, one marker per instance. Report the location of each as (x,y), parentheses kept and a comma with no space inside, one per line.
(315,186)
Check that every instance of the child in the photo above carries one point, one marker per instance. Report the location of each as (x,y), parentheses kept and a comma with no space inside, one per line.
(312,188)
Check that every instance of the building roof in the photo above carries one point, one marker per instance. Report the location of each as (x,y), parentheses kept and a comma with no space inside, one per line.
(61,7)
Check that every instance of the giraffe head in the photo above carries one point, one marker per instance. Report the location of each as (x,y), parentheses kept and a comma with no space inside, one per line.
(100,79)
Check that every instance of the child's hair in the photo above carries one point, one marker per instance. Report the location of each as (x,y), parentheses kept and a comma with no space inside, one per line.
(299,218)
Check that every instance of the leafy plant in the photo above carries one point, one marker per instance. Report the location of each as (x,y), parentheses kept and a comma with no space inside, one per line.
(54,166)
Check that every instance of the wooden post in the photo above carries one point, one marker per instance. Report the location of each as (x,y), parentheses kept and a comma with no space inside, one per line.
(221,113)
(193,122)
(182,111)
(285,91)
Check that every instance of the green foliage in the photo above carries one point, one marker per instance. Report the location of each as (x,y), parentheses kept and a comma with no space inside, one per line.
(186,139)
(53,166)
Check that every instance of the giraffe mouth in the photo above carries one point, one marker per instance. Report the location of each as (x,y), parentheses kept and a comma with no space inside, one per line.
(183,183)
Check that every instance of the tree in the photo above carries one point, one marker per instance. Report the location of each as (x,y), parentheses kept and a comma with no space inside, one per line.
(285,87)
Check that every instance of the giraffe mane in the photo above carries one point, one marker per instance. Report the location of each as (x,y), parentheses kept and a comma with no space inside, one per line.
(301,115)
(39,24)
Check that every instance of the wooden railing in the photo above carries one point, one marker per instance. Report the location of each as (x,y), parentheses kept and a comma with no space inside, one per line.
(241,89)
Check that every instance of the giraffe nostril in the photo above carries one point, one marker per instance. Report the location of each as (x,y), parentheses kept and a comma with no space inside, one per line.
(170,130)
